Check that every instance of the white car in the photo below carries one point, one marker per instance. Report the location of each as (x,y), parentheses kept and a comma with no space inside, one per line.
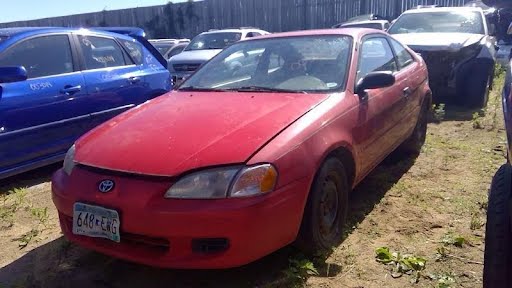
(204,47)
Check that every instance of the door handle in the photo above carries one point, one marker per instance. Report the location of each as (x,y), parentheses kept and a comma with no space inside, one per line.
(134,80)
(70,90)
(407,92)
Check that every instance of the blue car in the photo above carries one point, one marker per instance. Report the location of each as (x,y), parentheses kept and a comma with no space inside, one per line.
(58,83)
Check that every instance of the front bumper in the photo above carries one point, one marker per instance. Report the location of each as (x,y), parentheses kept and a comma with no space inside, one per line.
(165,232)
(450,71)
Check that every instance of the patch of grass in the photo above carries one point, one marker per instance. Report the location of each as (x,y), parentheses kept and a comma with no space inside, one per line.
(26,238)
(402,264)
(19,195)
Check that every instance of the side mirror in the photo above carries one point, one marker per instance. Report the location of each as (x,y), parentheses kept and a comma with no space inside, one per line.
(13,74)
(375,80)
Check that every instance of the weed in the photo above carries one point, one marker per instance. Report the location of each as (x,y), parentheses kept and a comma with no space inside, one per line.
(299,269)
(444,280)
(439,111)
(442,254)
(406,264)
(477,121)
(26,238)
(452,239)
(476,222)
(19,195)
(41,214)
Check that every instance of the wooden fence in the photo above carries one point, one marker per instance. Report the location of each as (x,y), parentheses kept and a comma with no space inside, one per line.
(191,18)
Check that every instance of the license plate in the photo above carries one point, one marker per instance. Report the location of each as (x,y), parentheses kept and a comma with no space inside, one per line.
(94,221)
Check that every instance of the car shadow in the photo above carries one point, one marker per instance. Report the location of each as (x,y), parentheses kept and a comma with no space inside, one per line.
(30,178)
(62,264)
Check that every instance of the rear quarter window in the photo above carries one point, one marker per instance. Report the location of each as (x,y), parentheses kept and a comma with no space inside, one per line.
(134,49)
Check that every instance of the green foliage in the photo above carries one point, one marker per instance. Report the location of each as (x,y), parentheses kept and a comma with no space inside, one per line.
(406,264)
(499,70)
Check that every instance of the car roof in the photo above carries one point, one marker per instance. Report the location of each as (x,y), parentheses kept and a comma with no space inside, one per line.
(365,22)
(353,32)
(19,31)
(233,30)
(443,9)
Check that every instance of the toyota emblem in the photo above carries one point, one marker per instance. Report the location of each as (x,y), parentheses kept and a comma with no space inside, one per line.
(106,186)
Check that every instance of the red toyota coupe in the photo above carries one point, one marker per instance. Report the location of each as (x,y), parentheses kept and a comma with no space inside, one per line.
(258,149)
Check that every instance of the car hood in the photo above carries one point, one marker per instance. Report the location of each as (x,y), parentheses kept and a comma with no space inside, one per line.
(182,131)
(199,56)
(438,41)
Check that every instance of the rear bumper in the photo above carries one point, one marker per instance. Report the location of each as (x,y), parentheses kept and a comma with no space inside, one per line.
(165,233)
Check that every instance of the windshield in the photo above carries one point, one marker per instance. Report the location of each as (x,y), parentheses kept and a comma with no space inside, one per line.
(213,40)
(162,48)
(363,25)
(294,64)
(439,22)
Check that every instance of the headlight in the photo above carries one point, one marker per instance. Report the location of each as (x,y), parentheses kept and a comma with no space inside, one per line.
(221,183)
(254,180)
(69,161)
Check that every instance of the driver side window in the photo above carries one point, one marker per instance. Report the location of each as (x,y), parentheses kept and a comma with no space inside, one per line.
(41,56)
(376,55)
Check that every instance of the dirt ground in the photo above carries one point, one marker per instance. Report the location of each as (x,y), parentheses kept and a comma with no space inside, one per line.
(425,207)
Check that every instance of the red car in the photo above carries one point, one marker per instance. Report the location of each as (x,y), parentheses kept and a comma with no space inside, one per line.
(258,149)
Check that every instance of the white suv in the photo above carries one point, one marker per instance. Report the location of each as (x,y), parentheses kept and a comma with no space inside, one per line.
(204,47)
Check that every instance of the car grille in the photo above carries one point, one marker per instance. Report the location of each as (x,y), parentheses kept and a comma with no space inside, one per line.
(186,67)
(440,65)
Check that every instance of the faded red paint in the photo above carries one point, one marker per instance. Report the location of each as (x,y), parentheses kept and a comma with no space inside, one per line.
(184,131)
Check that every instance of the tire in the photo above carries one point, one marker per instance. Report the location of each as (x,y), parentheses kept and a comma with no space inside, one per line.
(413,144)
(326,209)
(477,91)
(498,234)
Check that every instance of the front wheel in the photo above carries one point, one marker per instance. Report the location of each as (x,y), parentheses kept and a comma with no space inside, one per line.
(413,144)
(477,90)
(498,234)
(326,209)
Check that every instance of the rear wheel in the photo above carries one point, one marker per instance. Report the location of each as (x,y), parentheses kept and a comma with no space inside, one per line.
(498,234)
(326,209)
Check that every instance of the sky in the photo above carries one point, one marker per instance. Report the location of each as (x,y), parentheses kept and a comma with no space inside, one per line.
(16,10)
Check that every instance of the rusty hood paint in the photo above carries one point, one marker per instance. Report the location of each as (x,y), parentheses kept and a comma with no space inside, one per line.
(181,131)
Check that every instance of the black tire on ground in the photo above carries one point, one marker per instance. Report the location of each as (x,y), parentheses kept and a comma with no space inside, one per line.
(477,89)
(326,209)
(498,234)
(413,144)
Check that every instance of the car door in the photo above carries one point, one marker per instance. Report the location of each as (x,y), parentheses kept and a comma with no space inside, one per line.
(380,117)
(411,74)
(41,117)
(114,82)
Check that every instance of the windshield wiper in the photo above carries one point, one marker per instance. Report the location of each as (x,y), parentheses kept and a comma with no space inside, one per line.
(265,89)
(202,89)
